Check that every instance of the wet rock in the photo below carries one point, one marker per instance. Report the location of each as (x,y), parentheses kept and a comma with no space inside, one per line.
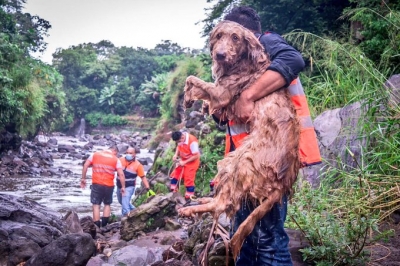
(173,262)
(88,146)
(122,148)
(71,249)
(22,250)
(88,226)
(65,148)
(148,216)
(22,219)
(52,141)
(7,159)
(132,255)
(72,222)
(171,224)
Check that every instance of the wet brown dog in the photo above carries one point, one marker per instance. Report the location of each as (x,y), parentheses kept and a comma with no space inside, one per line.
(266,165)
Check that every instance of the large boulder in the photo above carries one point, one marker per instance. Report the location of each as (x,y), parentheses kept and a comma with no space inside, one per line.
(25,228)
(338,132)
(149,216)
(71,249)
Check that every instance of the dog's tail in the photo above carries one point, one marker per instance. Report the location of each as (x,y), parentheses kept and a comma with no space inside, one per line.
(248,225)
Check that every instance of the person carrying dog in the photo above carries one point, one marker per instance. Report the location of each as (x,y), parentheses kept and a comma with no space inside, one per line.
(268,243)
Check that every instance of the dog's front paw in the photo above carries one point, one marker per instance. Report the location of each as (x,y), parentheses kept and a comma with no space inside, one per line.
(186,211)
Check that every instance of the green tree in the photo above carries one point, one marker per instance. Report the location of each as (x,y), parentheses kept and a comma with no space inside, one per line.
(107,96)
(283,16)
(379,30)
(29,89)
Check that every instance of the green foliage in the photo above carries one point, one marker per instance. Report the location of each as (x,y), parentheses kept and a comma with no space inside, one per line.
(380,31)
(107,96)
(107,120)
(29,88)
(211,153)
(339,74)
(286,15)
(335,221)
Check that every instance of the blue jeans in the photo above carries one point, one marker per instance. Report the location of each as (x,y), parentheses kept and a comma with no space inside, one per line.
(267,244)
(125,201)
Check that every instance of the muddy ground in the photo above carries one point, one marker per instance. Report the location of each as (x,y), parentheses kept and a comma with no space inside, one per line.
(386,252)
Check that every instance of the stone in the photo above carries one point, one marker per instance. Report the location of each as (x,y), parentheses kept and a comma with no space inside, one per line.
(148,216)
(171,224)
(71,249)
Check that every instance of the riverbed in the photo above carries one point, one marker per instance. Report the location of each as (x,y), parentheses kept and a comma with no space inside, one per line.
(61,193)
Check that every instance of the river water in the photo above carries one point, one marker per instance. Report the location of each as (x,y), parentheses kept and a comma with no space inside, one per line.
(61,193)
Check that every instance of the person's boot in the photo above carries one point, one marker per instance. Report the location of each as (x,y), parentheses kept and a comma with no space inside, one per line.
(104,221)
(97,223)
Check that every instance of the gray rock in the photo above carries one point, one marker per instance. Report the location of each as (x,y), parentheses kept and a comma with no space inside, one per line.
(148,216)
(71,249)
(138,256)
(22,219)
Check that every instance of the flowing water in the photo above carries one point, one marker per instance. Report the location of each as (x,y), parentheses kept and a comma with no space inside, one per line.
(61,193)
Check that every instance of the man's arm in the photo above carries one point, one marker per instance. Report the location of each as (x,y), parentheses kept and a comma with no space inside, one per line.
(145,182)
(176,154)
(122,179)
(190,159)
(269,82)
(141,174)
(286,64)
(84,171)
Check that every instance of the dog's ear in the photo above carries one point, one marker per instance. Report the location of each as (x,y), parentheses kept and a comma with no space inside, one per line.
(255,50)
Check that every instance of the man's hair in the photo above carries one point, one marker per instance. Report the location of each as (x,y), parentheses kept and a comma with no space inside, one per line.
(245,16)
(176,135)
(113,148)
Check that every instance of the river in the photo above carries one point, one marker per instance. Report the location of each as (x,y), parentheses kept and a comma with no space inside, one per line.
(61,193)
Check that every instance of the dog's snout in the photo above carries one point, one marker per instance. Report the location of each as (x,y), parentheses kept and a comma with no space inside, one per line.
(221,55)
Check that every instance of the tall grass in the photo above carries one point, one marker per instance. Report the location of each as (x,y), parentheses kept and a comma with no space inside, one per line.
(342,216)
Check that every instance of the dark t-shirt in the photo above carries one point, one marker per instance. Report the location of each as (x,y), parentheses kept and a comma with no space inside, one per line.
(285,59)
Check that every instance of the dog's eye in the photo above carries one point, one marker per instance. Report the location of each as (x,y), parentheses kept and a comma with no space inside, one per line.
(219,35)
(235,38)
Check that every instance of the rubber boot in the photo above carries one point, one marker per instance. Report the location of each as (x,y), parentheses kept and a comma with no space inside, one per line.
(104,221)
(97,223)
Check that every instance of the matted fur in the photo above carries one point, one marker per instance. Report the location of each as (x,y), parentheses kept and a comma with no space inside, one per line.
(266,165)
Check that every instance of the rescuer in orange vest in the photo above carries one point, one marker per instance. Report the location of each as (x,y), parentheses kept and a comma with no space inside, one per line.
(187,151)
(104,164)
(132,169)
(268,243)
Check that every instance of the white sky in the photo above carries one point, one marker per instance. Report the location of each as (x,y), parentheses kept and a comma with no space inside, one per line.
(132,23)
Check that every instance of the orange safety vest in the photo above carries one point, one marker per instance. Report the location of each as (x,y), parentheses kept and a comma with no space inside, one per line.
(185,152)
(104,165)
(131,170)
(308,146)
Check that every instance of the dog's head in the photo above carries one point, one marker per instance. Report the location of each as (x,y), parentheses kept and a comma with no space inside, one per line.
(231,43)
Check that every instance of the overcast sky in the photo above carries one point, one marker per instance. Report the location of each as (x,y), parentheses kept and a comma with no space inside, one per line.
(133,23)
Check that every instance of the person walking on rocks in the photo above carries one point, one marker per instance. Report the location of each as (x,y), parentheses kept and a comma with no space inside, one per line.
(131,168)
(187,151)
(104,165)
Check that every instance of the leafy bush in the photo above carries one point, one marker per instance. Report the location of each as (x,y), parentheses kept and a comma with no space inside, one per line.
(108,120)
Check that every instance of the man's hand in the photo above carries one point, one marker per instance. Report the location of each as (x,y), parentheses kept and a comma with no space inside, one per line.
(181,163)
(174,158)
(243,108)
(83,183)
(123,191)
